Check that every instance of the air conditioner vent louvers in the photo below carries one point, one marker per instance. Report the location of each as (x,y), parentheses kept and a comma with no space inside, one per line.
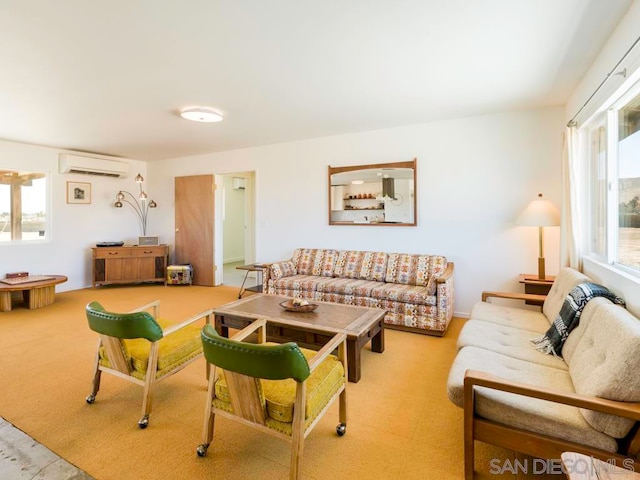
(100,174)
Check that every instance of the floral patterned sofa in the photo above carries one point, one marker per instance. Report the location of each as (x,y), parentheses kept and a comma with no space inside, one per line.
(416,290)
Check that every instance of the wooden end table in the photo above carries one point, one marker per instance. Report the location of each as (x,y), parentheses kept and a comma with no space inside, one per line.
(35,294)
(535,285)
(252,267)
(311,329)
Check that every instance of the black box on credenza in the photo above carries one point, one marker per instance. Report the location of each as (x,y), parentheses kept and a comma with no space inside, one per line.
(17,274)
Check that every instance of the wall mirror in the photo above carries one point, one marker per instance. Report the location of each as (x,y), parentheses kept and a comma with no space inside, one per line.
(379,194)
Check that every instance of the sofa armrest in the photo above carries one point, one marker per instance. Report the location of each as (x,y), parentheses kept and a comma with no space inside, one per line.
(445,290)
(269,276)
(476,378)
(448,273)
(513,296)
(266,269)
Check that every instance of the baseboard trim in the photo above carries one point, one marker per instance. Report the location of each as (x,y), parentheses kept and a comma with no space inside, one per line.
(232,260)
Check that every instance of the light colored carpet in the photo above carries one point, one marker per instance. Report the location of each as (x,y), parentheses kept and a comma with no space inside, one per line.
(401,424)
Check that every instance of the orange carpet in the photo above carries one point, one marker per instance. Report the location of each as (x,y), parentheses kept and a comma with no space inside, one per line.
(401,424)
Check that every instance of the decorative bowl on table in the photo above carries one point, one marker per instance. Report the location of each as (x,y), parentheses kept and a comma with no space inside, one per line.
(297,305)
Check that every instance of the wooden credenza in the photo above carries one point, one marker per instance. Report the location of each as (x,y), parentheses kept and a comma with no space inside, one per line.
(130,264)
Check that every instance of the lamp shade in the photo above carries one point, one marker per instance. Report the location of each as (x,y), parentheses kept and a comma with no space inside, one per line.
(539,213)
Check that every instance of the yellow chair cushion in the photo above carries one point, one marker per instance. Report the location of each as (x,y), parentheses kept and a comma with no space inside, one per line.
(322,385)
(173,350)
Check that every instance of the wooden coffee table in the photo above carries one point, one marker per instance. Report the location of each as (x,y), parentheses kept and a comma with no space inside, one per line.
(34,294)
(311,329)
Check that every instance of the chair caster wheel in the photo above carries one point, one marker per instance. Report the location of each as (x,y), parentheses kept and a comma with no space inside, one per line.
(91,398)
(202,450)
(341,429)
(144,421)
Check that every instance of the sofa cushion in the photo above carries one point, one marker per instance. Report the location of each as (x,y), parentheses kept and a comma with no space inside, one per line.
(173,350)
(573,340)
(404,293)
(374,266)
(348,286)
(410,269)
(299,282)
(515,317)
(509,341)
(355,300)
(283,269)
(548,418)
(313,261)
(605,364)
(361,265)
(566,279)
(412,315)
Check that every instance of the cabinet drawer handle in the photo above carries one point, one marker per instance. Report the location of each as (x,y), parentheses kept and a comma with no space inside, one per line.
(113,253)
(148,251)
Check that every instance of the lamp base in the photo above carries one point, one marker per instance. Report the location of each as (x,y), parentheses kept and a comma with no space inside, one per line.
(541,272)
(541,276)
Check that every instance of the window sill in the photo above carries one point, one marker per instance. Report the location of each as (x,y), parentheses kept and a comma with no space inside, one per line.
(621,282)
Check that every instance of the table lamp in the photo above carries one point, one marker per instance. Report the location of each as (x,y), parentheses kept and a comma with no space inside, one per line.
(540,213)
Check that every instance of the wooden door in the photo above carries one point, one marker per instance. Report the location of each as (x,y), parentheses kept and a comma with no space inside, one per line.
(194,197)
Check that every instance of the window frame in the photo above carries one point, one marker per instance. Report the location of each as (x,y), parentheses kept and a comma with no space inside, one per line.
(609,114)
(46,176)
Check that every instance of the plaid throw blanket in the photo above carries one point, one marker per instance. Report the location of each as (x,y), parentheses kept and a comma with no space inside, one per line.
(569,317)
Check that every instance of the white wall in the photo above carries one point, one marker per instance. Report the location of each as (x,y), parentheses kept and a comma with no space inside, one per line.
(474,174)
(75,228)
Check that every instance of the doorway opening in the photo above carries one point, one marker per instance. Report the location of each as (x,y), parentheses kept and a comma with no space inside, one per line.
(235,243)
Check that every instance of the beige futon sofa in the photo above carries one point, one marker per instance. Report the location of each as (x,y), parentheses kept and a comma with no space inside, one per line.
(416,290)
(519,398)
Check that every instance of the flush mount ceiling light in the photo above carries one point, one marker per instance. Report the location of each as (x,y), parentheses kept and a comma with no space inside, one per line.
(201,114)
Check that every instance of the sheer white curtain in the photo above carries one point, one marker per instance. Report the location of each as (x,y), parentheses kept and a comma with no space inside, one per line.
(571,244)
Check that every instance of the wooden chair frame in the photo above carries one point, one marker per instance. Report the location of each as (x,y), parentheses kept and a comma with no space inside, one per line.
(535,444)
(250,412)
(122,369)
(513,296)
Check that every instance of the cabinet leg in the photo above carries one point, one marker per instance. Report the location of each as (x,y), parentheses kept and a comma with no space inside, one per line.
(5,301)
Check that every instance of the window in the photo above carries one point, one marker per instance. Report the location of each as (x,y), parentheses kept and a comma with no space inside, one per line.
(614,185)
(598,203)
(628,241)
(23,206)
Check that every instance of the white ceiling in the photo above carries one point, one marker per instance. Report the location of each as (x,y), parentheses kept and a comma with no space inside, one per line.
(110,76)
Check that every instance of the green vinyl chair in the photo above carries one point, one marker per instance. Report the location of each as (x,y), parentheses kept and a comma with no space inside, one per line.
(139,347)
(280,389)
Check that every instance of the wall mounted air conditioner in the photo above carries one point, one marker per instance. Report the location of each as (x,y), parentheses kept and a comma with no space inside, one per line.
(70,163)
(239,183)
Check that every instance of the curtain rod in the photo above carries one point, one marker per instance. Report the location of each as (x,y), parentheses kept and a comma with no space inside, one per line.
(623,72)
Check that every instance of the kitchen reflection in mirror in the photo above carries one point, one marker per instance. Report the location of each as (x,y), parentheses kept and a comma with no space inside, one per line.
(378,194)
